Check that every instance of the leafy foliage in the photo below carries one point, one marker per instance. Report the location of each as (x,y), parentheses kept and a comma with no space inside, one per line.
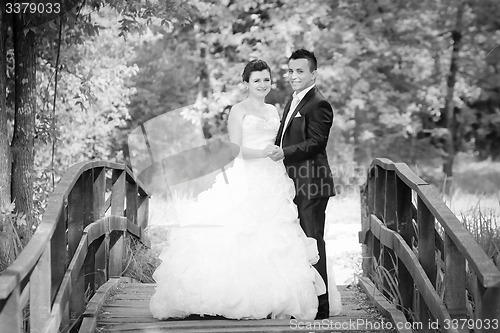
(13,234)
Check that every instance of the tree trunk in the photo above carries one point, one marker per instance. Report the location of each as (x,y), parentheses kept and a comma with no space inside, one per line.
(6,255)
(449,106)
(24,121)
(203,83)
(5,159)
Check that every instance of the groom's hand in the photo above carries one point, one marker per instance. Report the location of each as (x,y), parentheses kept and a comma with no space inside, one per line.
(277,154)
(270,149)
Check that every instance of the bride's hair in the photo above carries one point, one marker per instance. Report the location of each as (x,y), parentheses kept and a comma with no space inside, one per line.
(256,65)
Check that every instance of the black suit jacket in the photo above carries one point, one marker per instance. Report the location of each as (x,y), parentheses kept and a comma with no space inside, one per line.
(304,145)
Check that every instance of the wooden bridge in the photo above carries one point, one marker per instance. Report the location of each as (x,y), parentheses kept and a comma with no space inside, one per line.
(416,254)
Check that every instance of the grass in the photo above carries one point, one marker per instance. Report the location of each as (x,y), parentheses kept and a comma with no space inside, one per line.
(481,216)
(464,203)
(485,228)
(475,200)
(476,177)
(141,262)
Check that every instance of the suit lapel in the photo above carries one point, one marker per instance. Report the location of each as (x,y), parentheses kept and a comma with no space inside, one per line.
(282,125)
(304,100)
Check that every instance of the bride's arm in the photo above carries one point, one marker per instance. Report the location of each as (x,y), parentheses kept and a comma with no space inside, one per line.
(234,127)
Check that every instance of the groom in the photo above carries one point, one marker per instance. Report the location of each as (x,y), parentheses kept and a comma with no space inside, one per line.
(301,141)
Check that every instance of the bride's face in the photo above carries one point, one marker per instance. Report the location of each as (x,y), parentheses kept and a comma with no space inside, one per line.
(259,83)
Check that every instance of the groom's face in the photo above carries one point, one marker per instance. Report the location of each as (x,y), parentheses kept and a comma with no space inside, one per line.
(300,75)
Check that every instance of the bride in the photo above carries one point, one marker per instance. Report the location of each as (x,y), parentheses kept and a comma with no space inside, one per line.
(248,258)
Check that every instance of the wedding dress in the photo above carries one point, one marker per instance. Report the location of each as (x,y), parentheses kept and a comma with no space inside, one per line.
(240,252)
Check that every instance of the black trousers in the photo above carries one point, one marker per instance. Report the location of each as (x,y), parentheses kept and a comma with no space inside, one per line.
(312,221)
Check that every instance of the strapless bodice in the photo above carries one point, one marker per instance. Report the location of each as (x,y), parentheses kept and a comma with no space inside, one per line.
(259,132)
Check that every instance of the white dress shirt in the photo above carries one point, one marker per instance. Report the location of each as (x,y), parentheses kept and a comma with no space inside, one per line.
(296,98)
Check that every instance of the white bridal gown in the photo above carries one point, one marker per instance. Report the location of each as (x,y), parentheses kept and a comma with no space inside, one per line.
(241,252)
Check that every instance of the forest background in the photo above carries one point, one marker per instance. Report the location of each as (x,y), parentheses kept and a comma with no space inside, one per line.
(414,81)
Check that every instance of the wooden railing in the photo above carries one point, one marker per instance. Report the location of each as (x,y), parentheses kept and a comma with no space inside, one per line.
(78,246)
(409,232)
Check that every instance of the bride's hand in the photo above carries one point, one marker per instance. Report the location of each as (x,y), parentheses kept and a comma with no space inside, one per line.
(277,155)
(270,149)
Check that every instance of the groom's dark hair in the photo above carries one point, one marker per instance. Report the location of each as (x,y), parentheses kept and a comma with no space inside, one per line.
(305,54)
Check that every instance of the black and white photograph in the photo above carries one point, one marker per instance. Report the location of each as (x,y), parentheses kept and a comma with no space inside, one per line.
(249,166)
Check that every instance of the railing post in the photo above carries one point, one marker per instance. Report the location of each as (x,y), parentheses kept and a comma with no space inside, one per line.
(379,206)
(10,316)
(405,229)
(40,298)
(367,243)
(368,206)
(371,190)
(487,305)
(390,205)
(426,252)
(390,218)
(490,304)
(58,251)
(88,217)
(117,239)
(99,191)
(455,282)
(132,202)
(59,255)
(380,175)
(143,211)
(75,232)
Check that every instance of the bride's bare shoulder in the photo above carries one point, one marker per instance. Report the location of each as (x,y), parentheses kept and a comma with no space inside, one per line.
(272,109)
(237,111)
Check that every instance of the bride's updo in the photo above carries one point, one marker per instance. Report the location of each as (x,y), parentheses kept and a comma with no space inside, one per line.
(256,65)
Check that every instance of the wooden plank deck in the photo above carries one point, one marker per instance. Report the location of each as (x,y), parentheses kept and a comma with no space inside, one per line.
(127,310)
